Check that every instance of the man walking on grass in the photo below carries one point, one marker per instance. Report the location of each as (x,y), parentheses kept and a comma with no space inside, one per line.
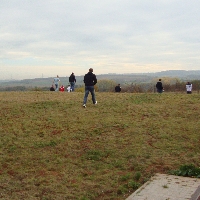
(90,80)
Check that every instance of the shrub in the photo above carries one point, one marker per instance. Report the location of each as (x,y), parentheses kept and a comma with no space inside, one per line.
(187,170)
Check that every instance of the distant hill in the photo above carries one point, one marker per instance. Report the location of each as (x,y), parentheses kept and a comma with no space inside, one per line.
(119,78)
(180,74)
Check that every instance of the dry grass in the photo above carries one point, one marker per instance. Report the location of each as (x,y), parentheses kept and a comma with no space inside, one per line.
(52,148)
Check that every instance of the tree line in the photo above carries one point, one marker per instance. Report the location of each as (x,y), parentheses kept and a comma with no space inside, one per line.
(106,85)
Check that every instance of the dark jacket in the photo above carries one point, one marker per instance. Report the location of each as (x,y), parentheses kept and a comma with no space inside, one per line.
(159,85)
(90,79)
(52,88)
(117,88)
(72,78)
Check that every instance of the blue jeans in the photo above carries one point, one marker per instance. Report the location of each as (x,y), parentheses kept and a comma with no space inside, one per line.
(72,84)
(91,90)
(159,90)
(56,85)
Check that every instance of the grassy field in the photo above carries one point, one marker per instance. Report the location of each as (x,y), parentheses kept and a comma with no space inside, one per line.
(52,148)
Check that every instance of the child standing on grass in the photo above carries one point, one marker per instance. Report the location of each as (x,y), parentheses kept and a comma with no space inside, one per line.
(69,88)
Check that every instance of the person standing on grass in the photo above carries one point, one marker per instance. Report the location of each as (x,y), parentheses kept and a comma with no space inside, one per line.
(118,88)
(159,86)
(56,82)
(90,80)
(72,81)
(189,88)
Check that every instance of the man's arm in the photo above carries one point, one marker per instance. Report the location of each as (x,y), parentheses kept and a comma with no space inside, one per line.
(95,79)
(84,79)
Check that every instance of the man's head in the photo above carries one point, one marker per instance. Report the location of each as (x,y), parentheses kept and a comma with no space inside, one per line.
(90,70)
(57,76)
(160,79)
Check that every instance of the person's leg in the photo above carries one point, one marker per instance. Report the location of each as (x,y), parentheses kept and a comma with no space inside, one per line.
(93,94)
(72,86)
(86,95)
(56,85)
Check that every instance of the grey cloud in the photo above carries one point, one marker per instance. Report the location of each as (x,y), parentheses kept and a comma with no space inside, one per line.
(71,31)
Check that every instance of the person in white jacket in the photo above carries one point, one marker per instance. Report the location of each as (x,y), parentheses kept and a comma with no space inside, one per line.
(69,89)
(189,88)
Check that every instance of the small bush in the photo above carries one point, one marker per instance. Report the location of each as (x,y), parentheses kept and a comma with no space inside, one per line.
(123,189)
(94,155)
(125,177)
(133,185)
(137,176)
(187,170)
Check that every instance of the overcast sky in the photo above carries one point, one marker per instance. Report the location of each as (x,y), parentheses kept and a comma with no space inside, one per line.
(43,38)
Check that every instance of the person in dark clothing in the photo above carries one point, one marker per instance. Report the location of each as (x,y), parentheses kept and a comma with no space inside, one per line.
(118,88)
(90,80)
(72,81)
(52,88)
(159,86)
